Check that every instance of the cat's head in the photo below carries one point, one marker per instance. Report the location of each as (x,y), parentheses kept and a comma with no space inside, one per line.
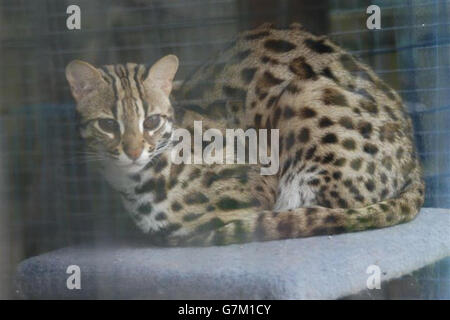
(126,114)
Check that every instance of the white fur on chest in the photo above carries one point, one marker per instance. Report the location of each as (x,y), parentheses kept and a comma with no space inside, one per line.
(295,193)
(122,182)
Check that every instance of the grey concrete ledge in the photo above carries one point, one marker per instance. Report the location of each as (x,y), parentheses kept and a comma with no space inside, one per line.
(311,268)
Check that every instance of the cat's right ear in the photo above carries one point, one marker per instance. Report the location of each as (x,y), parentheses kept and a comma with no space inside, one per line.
(83,78)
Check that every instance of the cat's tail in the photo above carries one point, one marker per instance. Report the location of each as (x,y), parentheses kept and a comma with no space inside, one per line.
(241,226)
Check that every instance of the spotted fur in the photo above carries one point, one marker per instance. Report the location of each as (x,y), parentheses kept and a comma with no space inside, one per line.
(347,157)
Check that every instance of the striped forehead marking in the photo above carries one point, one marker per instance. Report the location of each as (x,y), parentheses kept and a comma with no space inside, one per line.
(126,81)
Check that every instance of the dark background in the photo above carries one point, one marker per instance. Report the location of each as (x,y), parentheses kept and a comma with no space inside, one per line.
(51,198)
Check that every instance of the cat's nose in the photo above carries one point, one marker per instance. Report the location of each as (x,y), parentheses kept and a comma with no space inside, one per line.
(133,153)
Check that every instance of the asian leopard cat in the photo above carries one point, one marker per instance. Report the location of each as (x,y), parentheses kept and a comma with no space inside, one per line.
(347,160)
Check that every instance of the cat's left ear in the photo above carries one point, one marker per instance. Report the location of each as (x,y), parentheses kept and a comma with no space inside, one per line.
(161,74)
(83,78)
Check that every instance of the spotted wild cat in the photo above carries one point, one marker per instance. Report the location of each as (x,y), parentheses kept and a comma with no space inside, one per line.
(347,157)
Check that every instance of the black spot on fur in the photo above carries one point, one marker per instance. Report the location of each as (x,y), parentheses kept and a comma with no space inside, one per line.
(346,122)
(160,216)
(290,140)
(310,153)
(333,97)
(292,88)
(406,210)
(329,138)
(365,129)
(213,224)
(156,186)
(270,102)
(247,74)
(259,233)
(342,203)
(145,208)
(349,144)
(311,211)
(325,122)
(340,162)
(194,174)
(348,183)
(359,198)
(302,69)
(303,136)
(337,175)
(314,182)
(285,227)
(318,46)
(355,164)
(147,186)
(329,157)
(266,59)
(383,178)
(227,203)
(234,92)
(288,113)
(334,194)
(279,46)
(390,112)
(331,219)
(371,168)
(160,165)
(239,172)
(298,155)
(326,72)
(307,113)
(387,162)
(270,80)
(195,198)
(370,149)
(357,111)
(384,193)
(369,106)
(258,118)
(176,206)
(276,117)
(370,185)
(366,94)
(286,166)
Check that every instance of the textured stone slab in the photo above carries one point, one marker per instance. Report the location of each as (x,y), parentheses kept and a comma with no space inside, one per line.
(310,268)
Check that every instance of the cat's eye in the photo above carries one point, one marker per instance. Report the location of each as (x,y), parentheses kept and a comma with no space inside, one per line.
(152,122)
(108,125)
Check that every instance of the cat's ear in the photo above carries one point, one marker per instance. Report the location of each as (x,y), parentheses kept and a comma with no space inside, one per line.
(161,74)
(83,78)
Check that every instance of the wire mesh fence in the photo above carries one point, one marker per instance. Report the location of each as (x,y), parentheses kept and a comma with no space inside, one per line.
(54,198)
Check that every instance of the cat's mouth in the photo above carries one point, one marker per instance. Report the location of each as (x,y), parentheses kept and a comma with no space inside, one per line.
(124,163)
(132,164)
